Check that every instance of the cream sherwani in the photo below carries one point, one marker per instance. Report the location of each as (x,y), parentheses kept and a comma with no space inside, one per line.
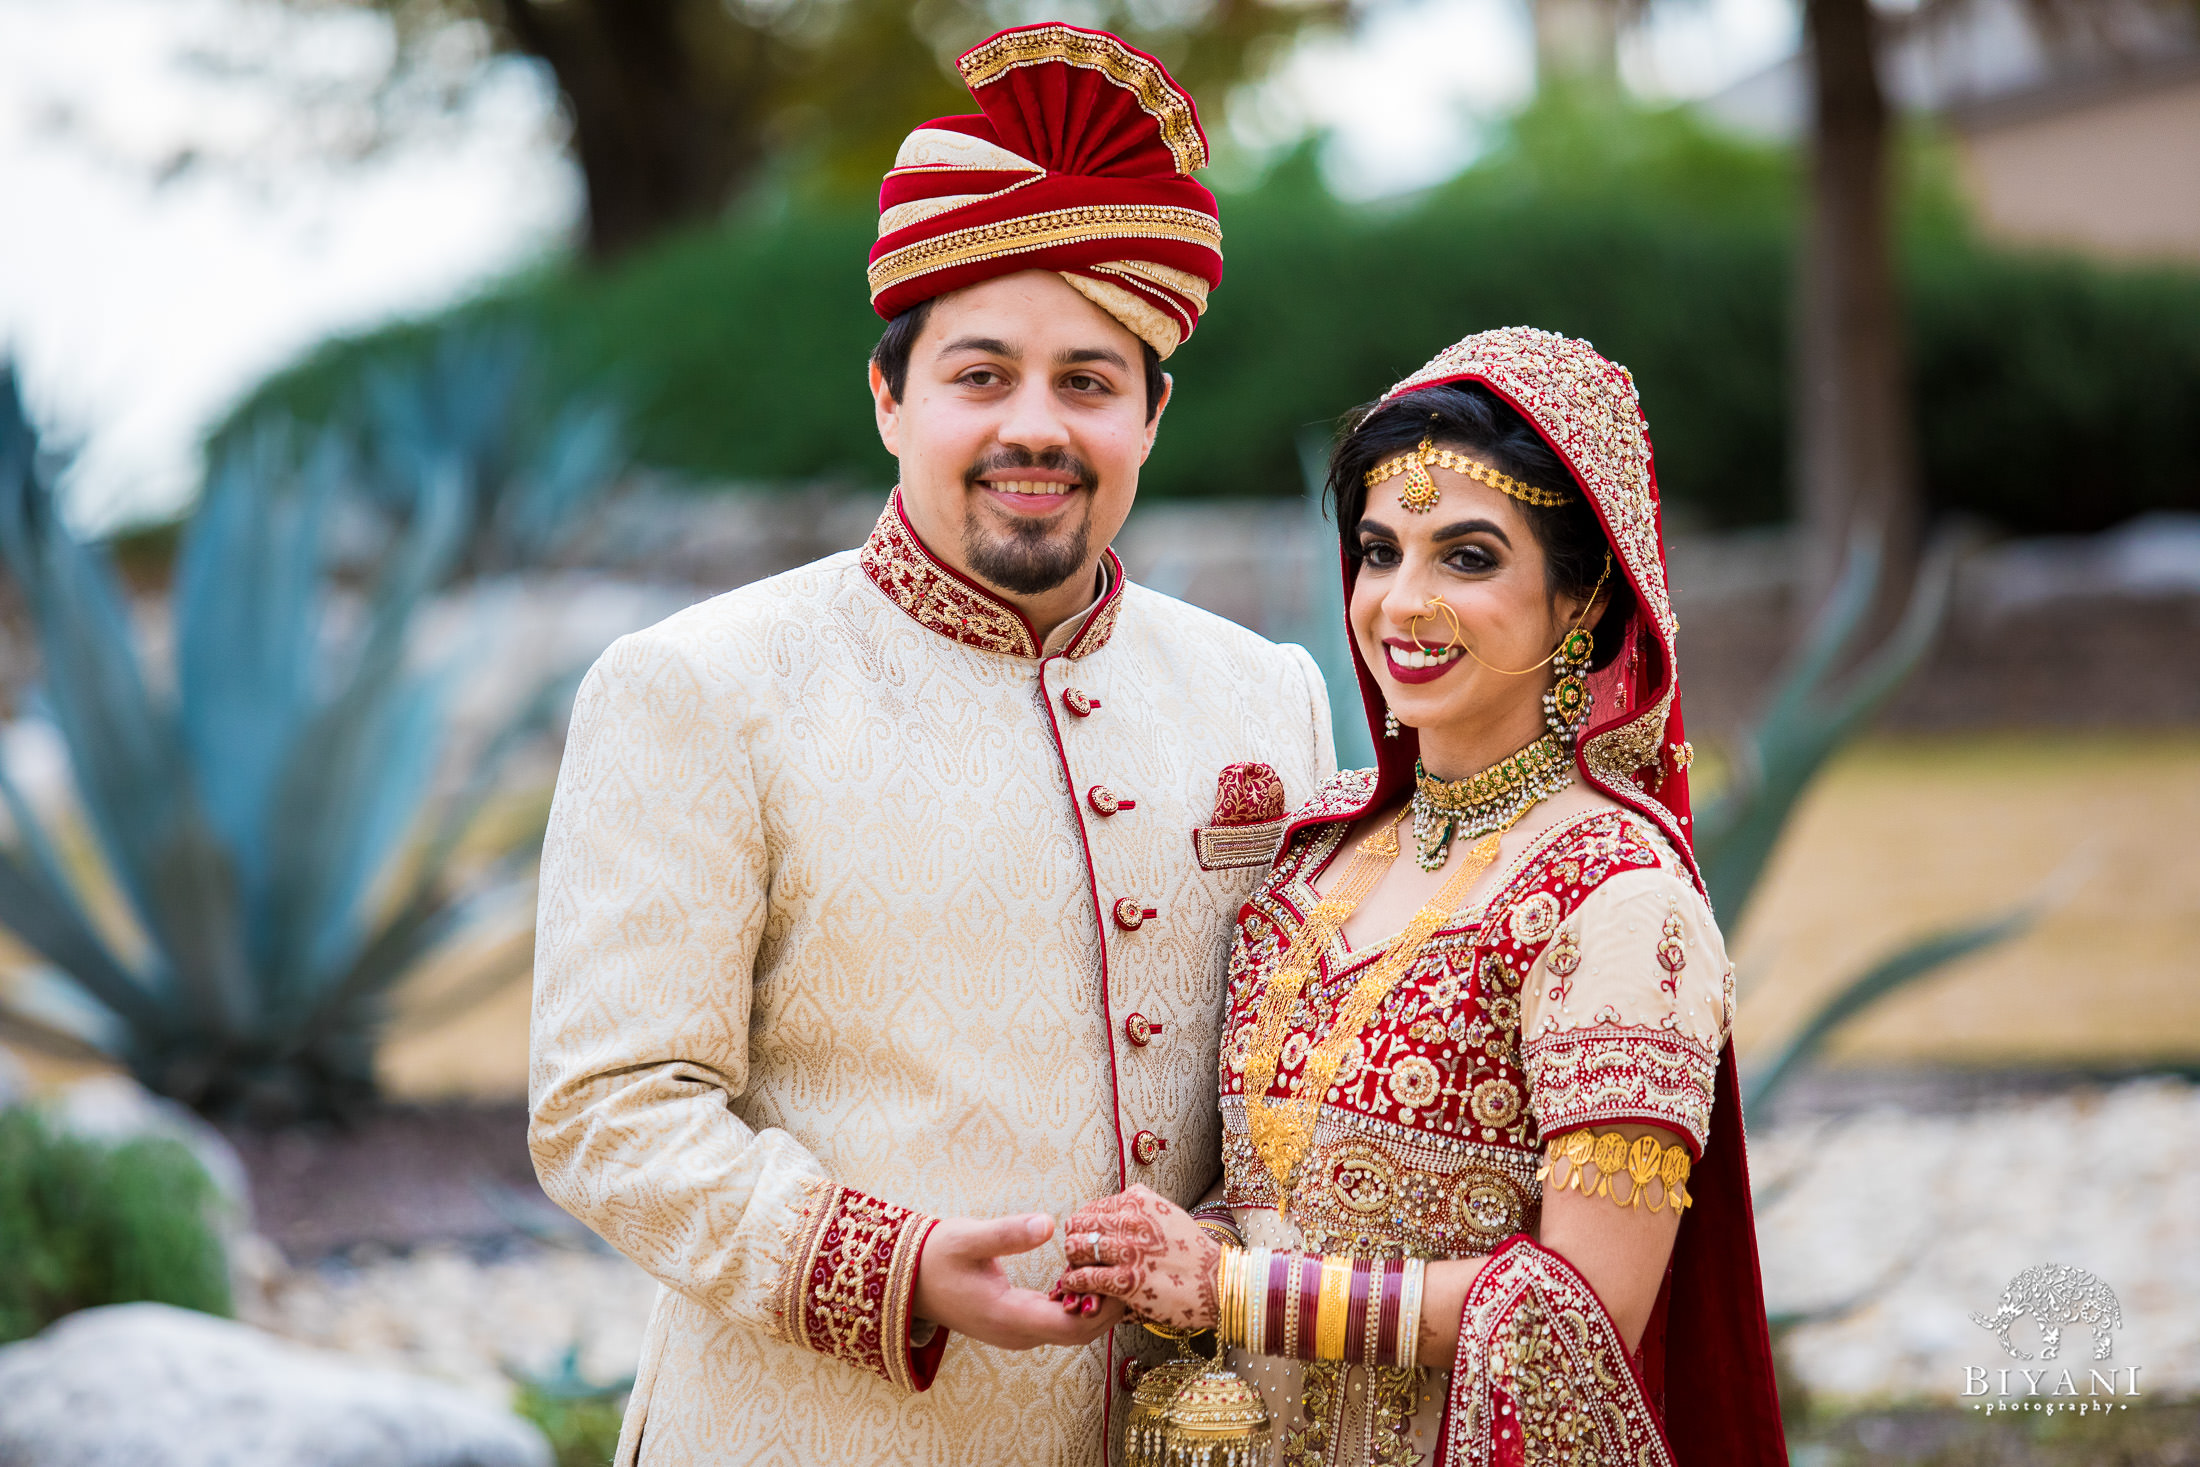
(862,908)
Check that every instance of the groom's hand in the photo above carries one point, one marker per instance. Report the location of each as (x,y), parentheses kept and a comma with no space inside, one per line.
(961,1285)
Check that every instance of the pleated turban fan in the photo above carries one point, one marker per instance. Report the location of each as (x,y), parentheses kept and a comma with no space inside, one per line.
(1079,161)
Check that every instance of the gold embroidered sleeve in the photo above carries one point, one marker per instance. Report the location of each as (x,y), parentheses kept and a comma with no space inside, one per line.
(1541,1373)
(1624,1011)
(653,899)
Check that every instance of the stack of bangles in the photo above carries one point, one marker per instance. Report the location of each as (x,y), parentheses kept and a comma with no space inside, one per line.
(1302,1307)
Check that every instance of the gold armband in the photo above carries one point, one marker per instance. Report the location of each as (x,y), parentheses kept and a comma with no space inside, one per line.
(1637,1166)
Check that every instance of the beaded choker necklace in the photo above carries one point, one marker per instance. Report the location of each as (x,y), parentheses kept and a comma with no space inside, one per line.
(1482,803)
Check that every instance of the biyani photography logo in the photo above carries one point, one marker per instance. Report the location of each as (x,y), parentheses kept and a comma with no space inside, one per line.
(2055,1298)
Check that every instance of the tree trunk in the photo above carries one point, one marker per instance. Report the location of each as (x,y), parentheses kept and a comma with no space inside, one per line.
(1856,446)
(666,102)
(1577,42)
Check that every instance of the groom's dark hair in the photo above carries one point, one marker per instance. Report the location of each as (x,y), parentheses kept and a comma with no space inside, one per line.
(891,355)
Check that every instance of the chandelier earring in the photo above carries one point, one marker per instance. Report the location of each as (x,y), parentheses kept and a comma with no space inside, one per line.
(1566,702)
(1390,722)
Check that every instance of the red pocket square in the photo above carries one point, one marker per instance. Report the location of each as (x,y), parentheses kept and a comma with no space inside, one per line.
(1248,821)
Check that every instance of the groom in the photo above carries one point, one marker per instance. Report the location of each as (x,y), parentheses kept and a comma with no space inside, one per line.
(886,903)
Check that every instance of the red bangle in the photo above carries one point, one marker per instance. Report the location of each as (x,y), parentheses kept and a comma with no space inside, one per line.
(1386,1331)
(1279,1275)
(1355,1322)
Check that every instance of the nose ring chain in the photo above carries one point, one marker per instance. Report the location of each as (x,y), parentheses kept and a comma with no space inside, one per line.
(1439,606)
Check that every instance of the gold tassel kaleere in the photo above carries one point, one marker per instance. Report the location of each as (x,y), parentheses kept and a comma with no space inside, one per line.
(1146,1439)
(1217,1421)
(1189,1412)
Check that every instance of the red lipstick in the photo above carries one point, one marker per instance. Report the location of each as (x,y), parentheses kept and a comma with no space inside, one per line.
(1415,674)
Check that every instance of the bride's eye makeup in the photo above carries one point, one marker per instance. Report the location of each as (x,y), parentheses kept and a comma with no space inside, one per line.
(1378,555)
(1473,560)
(1377,552)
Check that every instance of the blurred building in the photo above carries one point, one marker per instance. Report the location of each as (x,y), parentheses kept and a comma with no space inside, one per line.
(2076,125)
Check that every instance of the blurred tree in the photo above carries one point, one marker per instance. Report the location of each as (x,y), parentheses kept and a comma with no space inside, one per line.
(678,105)
(1856,455)
(1856,447)
(1577,41)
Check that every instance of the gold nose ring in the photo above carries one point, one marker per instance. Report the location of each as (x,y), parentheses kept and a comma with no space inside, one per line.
(1436,604)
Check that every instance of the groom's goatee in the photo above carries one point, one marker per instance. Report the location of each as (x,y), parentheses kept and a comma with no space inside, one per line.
(1031,556)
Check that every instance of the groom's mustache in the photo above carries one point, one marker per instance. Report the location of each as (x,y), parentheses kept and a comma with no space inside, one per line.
(1053,460)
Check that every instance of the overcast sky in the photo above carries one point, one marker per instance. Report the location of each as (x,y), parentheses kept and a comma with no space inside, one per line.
(198,190)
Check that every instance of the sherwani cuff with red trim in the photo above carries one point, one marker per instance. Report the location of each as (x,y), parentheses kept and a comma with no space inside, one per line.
(851,1285)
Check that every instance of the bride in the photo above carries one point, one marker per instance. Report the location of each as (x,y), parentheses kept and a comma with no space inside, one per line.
(1484,1197)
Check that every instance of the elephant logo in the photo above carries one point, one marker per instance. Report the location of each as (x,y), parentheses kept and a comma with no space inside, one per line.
(2056,1296)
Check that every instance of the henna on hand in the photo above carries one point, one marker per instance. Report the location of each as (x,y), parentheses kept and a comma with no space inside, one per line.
(1159,1261)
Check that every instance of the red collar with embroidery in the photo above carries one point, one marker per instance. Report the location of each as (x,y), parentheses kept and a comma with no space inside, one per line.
(960,609)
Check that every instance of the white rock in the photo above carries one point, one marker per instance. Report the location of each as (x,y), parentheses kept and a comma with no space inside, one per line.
(144,1385)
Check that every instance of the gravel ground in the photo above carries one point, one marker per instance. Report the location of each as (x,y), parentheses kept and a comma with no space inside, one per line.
(1896,1224)
(1893,1222)
(474,1317)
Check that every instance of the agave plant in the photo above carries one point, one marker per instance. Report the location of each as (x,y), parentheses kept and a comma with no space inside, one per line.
(261,818)
(471,406)
(1813,714)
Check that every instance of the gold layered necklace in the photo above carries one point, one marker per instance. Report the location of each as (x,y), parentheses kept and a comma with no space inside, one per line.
(1283,1131)
(1481,803)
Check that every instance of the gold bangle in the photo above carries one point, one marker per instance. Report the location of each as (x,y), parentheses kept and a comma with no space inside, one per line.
(1640,1162)
(1222,1293)
(1336,1302)
(1291,1304)
(1232,1323)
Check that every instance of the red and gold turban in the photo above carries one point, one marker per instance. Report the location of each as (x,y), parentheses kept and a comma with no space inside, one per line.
(1080,162)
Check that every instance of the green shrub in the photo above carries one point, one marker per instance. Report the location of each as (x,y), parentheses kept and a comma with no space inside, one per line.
(583,1430)
(2056,395)
(84,1223)
(2051,394)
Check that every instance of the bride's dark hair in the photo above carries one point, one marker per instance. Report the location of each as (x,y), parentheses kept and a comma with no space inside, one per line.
(1471,419)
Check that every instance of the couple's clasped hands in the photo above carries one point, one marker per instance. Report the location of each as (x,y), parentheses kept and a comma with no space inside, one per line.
(1140,1252)
(1135,1253)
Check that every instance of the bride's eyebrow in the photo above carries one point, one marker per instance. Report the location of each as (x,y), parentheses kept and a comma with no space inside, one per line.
(1376,528)
(1474,527)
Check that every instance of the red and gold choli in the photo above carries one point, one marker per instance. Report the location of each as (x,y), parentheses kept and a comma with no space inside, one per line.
(1589,988)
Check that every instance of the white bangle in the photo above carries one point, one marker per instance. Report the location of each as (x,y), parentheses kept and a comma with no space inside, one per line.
(1256,1298)
(1409,1313)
